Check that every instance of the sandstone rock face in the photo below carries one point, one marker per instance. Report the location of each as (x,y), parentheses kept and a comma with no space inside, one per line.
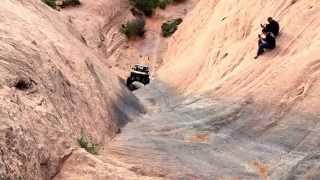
(239,118)
(99,21)
(215,46)
(84,166)
(235,117)
(52,88)
(212,53)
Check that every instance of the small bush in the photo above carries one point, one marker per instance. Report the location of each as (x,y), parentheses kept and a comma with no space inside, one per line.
(51,3)
(169,27)
(71,2)
(164,3)
(88,146)
(146,6)
(133,28)
(179,1)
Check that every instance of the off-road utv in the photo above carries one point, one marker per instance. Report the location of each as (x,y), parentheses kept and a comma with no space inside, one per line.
(139,73)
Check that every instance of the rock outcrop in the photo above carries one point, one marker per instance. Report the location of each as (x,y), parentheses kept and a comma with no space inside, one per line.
(239,118)
(52,89)
(212,53)
(236,117)
(99,21)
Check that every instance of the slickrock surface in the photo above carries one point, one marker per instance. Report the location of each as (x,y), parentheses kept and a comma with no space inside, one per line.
(98,22)
(213,112)
(52,87)
(238,118)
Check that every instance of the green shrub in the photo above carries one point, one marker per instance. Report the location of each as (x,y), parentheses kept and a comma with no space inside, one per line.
(87,145)
(169,27)
(179,1)
(133,28)
(51,3)
(71,2)
(146,6)
(164,3)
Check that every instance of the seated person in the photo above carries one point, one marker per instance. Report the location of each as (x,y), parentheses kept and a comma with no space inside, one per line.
(272,26)
(266,42)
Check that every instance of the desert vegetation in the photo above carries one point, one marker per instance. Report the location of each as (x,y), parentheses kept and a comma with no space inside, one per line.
(133,28)
(51,3)
(142,8)
(169,27)
(146,6)
(164,3)
(85,143)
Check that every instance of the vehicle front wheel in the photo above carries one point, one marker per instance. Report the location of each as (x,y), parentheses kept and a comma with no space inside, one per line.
(146,81)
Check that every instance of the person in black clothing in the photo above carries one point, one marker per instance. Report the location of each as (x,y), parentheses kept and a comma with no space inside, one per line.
(272,26)
(268,42)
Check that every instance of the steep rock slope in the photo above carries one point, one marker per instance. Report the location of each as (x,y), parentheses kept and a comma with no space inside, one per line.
(217,42)
(99,21)
(236,118)
(52,88)
(215,54)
